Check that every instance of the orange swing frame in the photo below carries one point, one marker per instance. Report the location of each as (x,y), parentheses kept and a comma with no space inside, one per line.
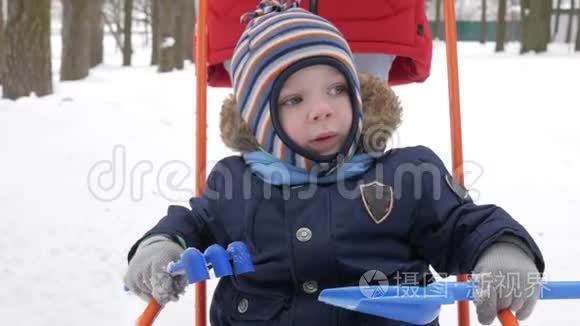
(147,318)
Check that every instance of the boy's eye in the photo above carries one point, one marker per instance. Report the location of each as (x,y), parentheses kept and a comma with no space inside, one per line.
(291,101)
(337,90)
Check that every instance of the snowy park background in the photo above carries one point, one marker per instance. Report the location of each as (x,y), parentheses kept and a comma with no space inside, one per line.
(64,236)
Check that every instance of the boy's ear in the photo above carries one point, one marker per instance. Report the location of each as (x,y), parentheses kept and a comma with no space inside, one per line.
(234,132)
(381,114)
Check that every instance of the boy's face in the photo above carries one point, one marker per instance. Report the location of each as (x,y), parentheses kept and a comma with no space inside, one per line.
(315,109)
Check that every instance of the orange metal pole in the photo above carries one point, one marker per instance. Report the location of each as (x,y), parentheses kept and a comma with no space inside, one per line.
(506,317)
(455,120)
(201,137)
(150,314)
(453,80)
(153,308)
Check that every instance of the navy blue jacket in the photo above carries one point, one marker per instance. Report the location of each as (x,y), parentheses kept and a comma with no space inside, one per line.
(303,239)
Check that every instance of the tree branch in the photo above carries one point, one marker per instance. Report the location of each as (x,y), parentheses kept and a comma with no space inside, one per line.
(115,34)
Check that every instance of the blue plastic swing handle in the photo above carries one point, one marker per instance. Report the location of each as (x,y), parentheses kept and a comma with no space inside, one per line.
(421,305)
(560,290)
(548,291)
(436,293)
(196,264)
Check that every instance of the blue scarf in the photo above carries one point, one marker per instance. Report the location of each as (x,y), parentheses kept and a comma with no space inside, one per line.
(277,172)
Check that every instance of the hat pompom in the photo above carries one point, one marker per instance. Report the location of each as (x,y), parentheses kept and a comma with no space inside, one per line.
(268,6)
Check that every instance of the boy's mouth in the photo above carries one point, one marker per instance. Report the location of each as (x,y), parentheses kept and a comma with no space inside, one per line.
(324,141)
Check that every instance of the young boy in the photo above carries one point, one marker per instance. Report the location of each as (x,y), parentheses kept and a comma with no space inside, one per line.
(318,201)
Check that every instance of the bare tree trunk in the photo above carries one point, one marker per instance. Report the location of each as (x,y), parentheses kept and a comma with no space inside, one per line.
(483,35)
(189,28)
(113,31)
(570,22)
(577,45)
(437,27)
(1,19)
(167,37)
(536,16)
(501,28)
(97,34)
(524,22)
(127,27)
(154,32)
(26,50)
(145,8)
(179,34)
(118,16)
(557,24)
(1,35)
(76,32)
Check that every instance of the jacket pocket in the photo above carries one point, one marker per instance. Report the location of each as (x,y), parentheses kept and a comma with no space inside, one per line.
(255,308)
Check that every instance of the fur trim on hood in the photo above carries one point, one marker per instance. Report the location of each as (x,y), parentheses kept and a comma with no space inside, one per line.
(381,117)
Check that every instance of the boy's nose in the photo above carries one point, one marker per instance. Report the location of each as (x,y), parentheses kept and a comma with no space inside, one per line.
(320,111)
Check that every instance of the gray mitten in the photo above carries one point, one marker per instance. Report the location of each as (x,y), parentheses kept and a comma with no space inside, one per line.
(506,278)
(146,275)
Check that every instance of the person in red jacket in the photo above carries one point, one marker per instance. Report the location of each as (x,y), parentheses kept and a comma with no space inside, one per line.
(390,39)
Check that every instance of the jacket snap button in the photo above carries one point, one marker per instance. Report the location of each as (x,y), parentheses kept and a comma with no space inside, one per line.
(310,287)
(303,234)
(243,305)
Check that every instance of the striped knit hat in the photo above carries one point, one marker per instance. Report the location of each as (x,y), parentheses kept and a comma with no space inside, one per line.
(280,39)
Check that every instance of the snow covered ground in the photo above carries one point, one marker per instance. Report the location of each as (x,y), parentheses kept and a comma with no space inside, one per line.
(64,232)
